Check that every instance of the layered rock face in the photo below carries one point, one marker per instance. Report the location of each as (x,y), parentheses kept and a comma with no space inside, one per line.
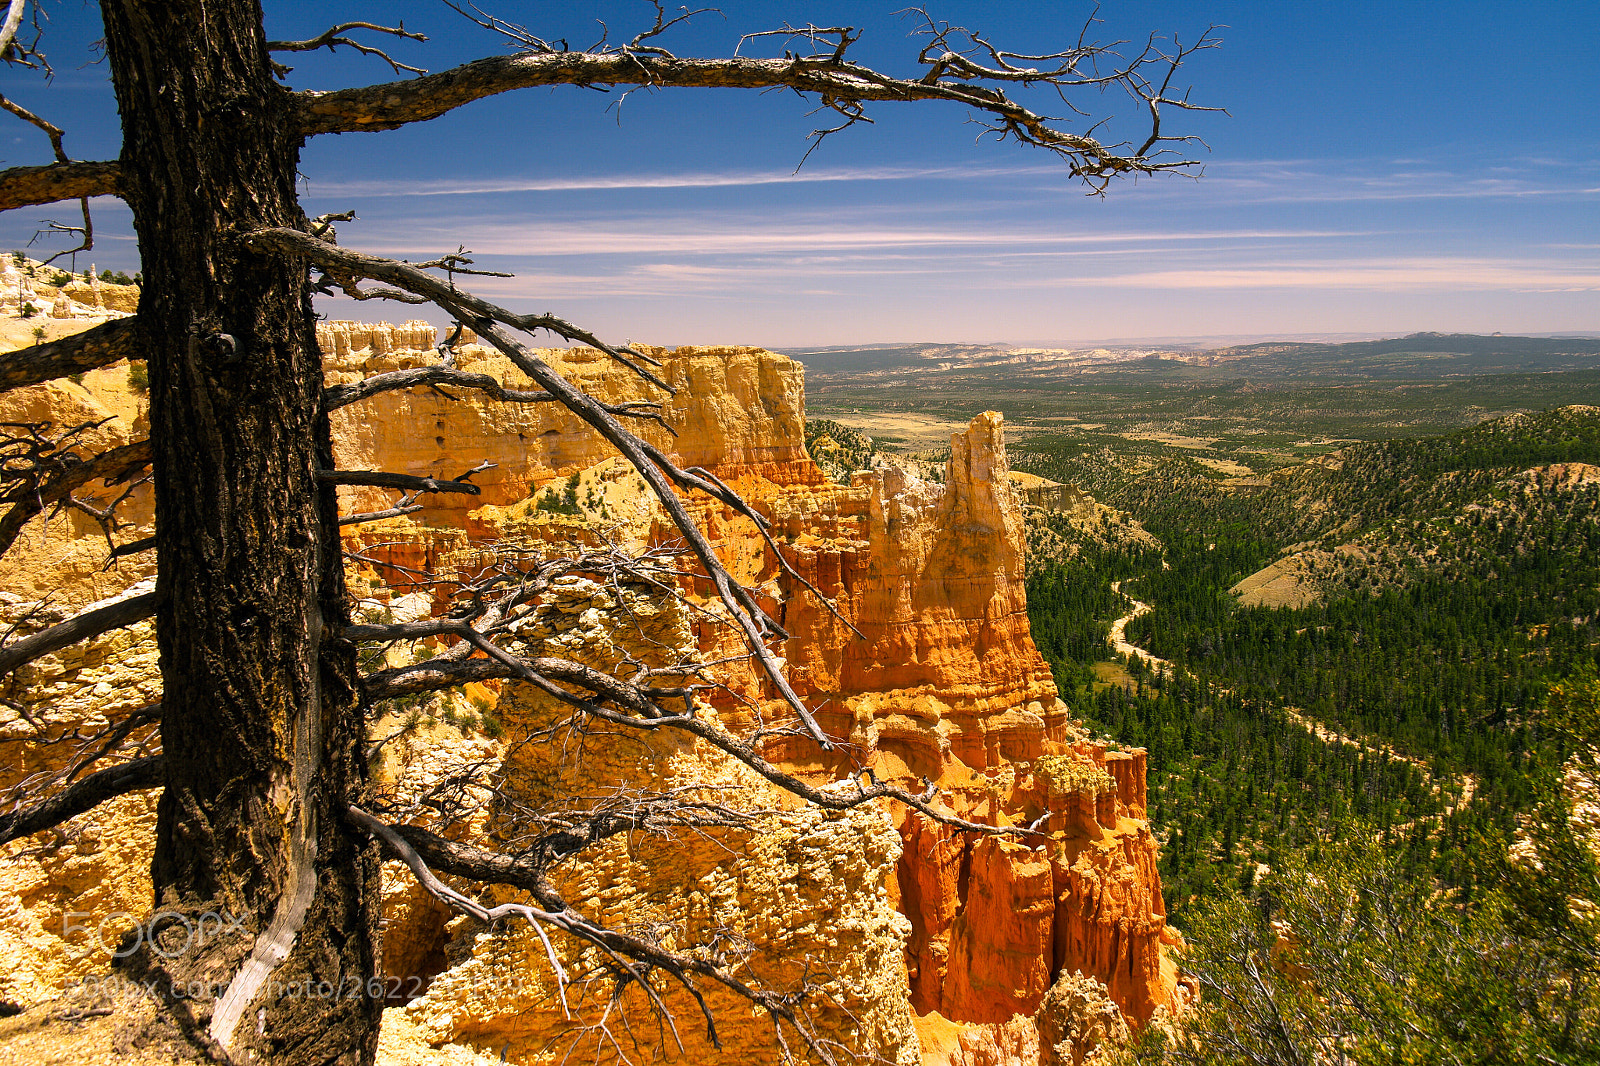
(787,890)
(931,576)
(942,685)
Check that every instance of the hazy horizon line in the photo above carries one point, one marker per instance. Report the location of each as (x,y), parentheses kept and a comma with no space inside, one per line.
(1230,339)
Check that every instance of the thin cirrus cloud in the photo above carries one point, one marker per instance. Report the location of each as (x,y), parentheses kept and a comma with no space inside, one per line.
(1311,181)
(1436,274)
(1237,181)
(966,239)
(702,180)
(709,238)
(739,278)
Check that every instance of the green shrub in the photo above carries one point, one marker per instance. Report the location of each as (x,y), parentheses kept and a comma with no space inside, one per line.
(562,501)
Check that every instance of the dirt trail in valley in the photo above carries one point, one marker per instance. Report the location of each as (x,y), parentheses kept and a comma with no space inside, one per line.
(1326,733)
(1321,730)
(1119,631)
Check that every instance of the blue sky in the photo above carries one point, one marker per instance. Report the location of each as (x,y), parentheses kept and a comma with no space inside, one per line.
(1384,168)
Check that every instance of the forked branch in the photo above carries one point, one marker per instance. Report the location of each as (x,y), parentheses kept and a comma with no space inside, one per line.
(755,626)
(632,957)
(333,37)
(826,73)
(13,22)
(112,466)
(85,232)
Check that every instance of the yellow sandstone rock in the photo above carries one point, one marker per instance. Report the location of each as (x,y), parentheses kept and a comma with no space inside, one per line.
(943,684)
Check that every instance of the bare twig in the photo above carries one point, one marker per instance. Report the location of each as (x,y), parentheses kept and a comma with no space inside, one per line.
(465,904)
(49,129)
(631,954)
(460,262)
(331,40)
(112,467)
(85,234)
(406,482)
(322,225)
(12,50)
(8,30)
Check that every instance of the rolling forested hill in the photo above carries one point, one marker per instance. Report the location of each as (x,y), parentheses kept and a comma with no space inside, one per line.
(1407,605)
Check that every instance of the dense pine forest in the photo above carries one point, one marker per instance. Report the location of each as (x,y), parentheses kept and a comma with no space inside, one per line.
(1361,764)
(1403,699)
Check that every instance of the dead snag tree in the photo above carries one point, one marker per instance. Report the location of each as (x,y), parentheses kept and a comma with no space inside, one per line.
(262,718)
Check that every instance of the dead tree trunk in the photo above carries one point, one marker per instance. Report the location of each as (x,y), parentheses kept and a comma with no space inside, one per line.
(261,722)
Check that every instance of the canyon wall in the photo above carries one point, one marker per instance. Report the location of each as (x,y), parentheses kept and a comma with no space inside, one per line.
(941,685)
(932,941)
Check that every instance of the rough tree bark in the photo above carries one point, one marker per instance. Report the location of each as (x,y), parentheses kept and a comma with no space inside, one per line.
(261,722)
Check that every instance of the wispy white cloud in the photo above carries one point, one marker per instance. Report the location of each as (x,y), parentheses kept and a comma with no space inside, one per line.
(701,180)
(1440,274)
(1235,180)
(1314,181)
(741,279)
(705,236)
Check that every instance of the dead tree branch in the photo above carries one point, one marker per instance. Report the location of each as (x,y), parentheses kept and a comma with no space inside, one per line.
(633,705)
(398,510)
(826,73)
(30,186)
(111,467)
(87,794)
(106,516)
(92,349)
(347,267)
(30,452)
(331,39)
(85,234)
(8,30)
(12,50)
(49,129)
(407,482)
(116,615)
(635,956)
(337,396)
(54,133)
(132,547)
(755,625)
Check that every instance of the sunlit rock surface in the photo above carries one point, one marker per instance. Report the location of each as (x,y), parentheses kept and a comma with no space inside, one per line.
(927,673)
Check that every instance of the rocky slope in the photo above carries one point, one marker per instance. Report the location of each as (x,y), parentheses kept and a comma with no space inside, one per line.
(1502,523)
(904,918)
